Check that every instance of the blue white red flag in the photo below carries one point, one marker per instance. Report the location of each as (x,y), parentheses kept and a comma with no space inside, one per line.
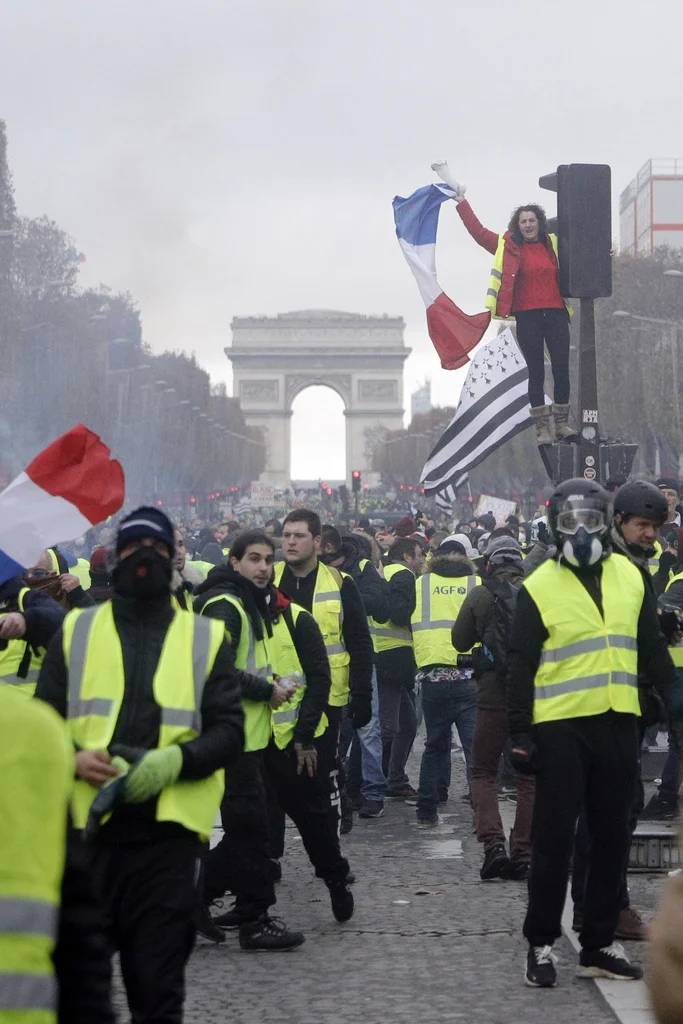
(68,488)
(453,332)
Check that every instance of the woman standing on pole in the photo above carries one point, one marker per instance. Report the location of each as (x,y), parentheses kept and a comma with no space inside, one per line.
(524,284)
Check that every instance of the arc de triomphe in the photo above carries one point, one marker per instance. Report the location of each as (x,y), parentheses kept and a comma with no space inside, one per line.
(359,357)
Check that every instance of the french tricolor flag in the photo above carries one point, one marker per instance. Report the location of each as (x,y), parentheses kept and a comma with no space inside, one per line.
(453,332)
(69,487)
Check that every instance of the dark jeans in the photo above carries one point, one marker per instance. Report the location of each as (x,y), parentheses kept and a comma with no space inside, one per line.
(397,718)
(444,704)
(330,765)
(490,737)
(149,893)
(307,803)
(241,862)
(670,773)
(534,327)
(591,761)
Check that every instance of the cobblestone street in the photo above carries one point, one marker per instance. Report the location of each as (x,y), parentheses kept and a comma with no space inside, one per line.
(429,941)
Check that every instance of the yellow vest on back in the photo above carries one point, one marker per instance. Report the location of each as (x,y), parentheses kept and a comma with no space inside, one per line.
(285,660)
(252,657)
(676,652)
(36,766)
(438,602)
(96,685)
(387,636)
(18,653)
(328,612)
(589,664)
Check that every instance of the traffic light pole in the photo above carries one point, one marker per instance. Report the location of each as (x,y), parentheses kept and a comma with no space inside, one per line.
(355,506)
(589,444)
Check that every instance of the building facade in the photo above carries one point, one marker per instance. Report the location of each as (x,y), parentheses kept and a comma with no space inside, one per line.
(651,208)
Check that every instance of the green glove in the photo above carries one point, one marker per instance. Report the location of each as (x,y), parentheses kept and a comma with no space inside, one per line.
(154,772)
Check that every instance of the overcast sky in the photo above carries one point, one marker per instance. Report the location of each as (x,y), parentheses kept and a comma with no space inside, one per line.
(222,158)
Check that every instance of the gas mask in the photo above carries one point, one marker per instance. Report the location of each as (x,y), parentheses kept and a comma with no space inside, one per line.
(584,533)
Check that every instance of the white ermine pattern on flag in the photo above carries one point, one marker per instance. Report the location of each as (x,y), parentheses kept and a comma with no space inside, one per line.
(493,407)
(444,499)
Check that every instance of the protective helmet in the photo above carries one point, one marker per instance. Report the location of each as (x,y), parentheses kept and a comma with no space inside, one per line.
(579,517)
(640,498)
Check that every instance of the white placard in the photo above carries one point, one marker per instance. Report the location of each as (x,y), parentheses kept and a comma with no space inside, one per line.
(262,495)
(500,507)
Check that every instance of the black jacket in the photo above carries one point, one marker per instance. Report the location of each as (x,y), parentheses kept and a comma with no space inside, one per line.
(142,628)
(529,635)
(43,615)
(402,595)
(264,609)
(374,591)
(355,629)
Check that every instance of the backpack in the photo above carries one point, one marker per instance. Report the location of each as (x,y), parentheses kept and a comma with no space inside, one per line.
(505,602)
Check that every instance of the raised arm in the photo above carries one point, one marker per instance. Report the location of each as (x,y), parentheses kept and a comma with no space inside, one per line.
(482,236)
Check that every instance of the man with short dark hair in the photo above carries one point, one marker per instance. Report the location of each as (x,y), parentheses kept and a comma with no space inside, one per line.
(671,489)
(333,599)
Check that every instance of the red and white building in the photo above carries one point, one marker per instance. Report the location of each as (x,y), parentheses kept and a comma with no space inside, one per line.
(651,208)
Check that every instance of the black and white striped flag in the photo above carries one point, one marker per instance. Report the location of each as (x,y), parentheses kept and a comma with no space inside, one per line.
(493,407)
(444,499)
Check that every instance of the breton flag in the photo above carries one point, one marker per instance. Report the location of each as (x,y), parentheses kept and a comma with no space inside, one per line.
(493,407)
(68,488)
(453,332)
(444,499)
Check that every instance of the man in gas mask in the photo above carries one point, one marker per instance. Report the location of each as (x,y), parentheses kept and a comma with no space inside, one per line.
(153,709)
(585,625)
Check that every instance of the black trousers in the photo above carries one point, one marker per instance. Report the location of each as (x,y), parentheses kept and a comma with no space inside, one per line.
(534,327)
(306,801)
(591,761)
(149,892)
(241,862)
(330,765)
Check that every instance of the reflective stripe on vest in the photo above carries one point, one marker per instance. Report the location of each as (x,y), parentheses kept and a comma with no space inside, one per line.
(257,714)
(94,659)
(432,636)
(588,663)
(388,636)
(653,563)
(496,278)
(35,993)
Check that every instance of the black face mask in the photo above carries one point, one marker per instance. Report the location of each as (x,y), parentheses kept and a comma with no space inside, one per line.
(144,575)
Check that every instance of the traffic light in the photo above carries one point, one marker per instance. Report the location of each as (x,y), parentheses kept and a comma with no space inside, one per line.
(584,228)
(355,480)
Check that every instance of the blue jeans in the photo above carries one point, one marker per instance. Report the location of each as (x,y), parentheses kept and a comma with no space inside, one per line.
(444,704)
(374,784)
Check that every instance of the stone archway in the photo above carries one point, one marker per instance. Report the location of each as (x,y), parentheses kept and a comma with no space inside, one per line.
(359,357)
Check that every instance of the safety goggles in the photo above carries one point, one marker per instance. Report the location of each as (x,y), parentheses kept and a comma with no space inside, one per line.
(571,521)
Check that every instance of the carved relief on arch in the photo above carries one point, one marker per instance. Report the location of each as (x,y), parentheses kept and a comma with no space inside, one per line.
(339,382)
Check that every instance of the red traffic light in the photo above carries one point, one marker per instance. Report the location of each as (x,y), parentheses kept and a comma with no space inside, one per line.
(328,492)
(355,473)
(324,487)
(159,502)
(193,500)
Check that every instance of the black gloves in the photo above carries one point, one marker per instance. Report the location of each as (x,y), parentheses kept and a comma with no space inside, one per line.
(543,534)
(523,755)
(360,710)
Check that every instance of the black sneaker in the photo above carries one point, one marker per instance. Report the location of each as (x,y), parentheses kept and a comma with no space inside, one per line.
(372,809)
(609,962)
(540,967)
(496,865)
(232,918)
(341,899)
(269,934)
(206,925)
(519,870)
(659,808)
(350,878)
(428,820)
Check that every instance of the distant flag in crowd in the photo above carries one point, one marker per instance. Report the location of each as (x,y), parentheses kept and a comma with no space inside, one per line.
(68,488)
(493,407)
(444,499)
(242,507)
(453,332)
(76,257)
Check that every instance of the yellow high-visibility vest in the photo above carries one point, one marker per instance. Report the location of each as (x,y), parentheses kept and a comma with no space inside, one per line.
(386,636)
(203,568)
(653,563)
(328,612)
(96,685)
(17,654)
(676,652)
(36,765)
(252,657)
(496,279)
(285,659)
(437,606)
(589,664)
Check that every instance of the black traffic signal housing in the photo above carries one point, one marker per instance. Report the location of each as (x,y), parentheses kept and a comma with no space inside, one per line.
(584,228)
(355,480)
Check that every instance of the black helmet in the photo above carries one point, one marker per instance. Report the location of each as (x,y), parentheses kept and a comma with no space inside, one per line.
(640,498)
(579,518)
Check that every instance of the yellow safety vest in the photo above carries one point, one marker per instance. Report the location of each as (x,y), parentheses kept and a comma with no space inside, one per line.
(589,664)
(36,766)
(82,571)
(437,604)
(203,568)
(387,636)
(653,563)
(20,656)
(96,685)
(496,279)
(676,652)
(252,657)
(328,612)
(285,659)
